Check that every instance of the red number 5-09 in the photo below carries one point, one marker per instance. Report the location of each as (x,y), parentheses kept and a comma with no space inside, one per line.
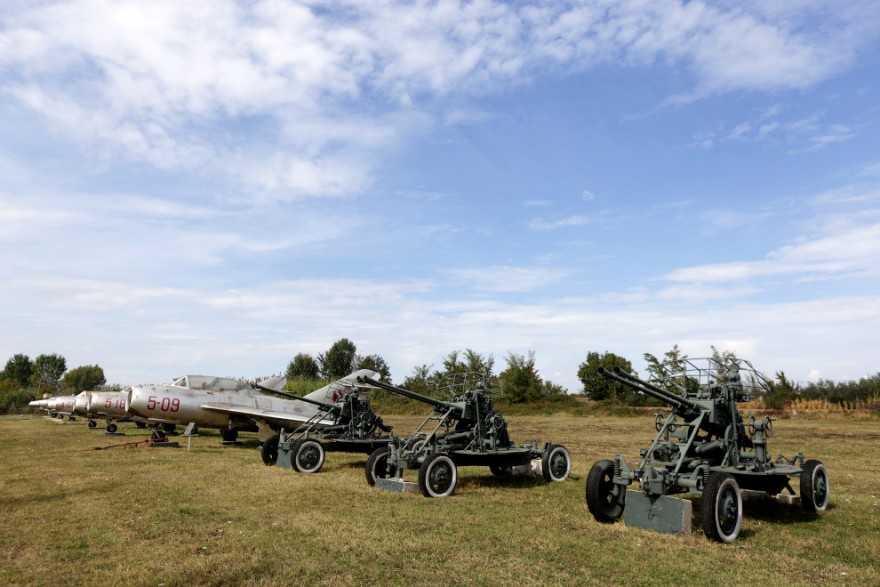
(167,404)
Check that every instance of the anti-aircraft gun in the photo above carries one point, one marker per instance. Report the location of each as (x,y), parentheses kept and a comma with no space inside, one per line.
(348,425)
(705,448)
(462,431)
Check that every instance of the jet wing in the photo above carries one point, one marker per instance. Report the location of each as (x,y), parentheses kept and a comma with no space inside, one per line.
(262,414)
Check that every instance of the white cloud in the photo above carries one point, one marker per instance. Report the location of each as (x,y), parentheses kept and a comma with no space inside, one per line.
(849,246)
(805,133)
(151,80)
(574,220)
(255,330)
(505,278)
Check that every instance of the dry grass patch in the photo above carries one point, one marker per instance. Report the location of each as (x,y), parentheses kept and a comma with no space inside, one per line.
(217,516)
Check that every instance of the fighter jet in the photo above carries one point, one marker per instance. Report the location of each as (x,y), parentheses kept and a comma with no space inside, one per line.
(232,406)
(107,405)
(57,406)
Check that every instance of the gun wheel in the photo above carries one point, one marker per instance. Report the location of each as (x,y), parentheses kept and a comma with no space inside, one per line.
(815,491)
(601,501)
(556,463)
(269,452)
(377,465)
(437,476)
(721,508)
(308,456)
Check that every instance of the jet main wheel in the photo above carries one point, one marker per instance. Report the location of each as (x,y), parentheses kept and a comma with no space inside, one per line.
(556,463)
(721,508)
(111,428)
(93,424)
(437,476)
(269,452)
(377,465)
(308,456)
(815,491)
(169,428)
(229,435)
(601,501)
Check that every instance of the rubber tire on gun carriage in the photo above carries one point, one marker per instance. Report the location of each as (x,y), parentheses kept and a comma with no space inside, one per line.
(721,508)
(555,463)
(308,456)
(377,465)
(604,505)
(269,451)
(815,490)
(502,471)
(437,476)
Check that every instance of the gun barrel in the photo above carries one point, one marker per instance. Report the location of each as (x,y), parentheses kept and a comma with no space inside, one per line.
(326,406)
(633,382)
(407,393)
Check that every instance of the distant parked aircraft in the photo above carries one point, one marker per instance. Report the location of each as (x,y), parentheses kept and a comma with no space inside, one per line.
(230,405)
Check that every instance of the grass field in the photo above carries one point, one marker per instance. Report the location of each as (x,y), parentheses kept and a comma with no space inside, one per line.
(217,516)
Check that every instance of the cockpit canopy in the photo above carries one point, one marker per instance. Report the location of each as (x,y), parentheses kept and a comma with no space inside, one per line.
(206,382)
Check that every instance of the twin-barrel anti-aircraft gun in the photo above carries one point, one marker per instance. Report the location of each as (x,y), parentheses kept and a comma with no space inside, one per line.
(464,430)
(703,447)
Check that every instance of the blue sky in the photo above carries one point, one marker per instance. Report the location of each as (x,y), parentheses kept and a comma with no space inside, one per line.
(212,187)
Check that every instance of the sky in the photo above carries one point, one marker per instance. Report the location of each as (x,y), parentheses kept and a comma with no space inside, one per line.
(214,186)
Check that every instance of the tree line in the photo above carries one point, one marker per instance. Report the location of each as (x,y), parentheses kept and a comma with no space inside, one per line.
(22,380)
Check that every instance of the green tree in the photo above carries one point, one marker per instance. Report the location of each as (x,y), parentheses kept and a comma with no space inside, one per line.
(19,368)
(457,364)
(303,366)
(83,378)
(339,360)
(375,363)
(781,392)
(674,361)
(47,370)
(553,390)
(421,381)
(597,387)
(521,381)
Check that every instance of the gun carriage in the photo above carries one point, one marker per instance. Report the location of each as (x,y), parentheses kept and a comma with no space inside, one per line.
(463,431)
(348,425)
(705,448)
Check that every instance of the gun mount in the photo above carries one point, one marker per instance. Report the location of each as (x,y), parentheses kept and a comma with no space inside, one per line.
(462,431)
(348,425)
(705,448)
